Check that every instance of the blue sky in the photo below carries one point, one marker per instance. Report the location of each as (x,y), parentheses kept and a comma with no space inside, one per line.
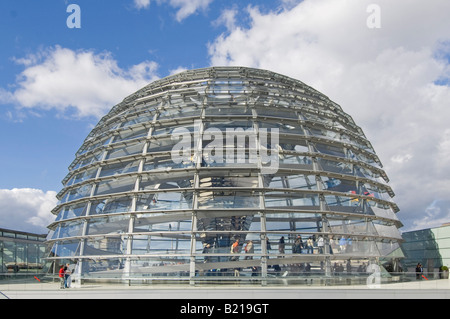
(389,69)
(41,143)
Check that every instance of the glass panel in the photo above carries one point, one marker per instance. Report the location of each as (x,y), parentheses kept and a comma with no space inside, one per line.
(391,249)
(288,199)
(361,248)
(78,192)
(375,191)
(86,147)
(387,230)
(147,107)
(161,244)
(227,199)
(119,168)
(155,182)
(232,126)
(108,225)
(121,151)
(72,211)
(321,132)
(69,229)
(97,156)
(145,117)
(21,254)
(340,185)
(97,268)
(131,134)
(8,255)
(289,128)
(162,144)
(370,174)
(90,173)
(356,227)
(184,111)
(362,157)
(327,119)
(172,222)
(105,246)
(8,234)
(219,99)
(103,127)
(111,206)
(230,157)
(111,186)
(157,266)
(164,130)
(227,181)
(294,161)
(382,210)
(217,110)
(330,150)
(276,112)
(335,166)
(346,204)
(173,234)
(34,258)
(66,249)
(165,161)
(290,143)
(293,182)
(164,201)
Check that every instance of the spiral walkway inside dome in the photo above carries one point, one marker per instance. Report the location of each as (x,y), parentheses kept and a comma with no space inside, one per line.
(224,172)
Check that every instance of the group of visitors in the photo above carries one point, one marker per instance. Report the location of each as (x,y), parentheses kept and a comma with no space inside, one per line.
(65,276)
(299,245)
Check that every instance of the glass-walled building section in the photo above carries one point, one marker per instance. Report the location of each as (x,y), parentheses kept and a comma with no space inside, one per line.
(224,172)
(430,247)
(21,253)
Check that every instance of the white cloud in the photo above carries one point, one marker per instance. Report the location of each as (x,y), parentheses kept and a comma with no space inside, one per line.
(62,79)
(188,7)
(177,70)
(140,4)
(227,18)
(401,158)
(384,78)
(444,151)
(27,209)
(185,7)
(436,214)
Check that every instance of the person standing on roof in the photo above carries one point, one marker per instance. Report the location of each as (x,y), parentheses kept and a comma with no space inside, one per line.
(61,277)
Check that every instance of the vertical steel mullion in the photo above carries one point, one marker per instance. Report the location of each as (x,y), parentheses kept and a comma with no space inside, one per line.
(262,206)
(198,157)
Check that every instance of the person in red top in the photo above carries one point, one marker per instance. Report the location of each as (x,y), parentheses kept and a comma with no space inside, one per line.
(61,276)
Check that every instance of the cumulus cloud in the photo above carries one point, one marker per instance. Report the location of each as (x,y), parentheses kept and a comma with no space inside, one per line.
(185,7)
(437,213)
(188,7)
(177,70)
(227,18)
(141,4)
(27,209)
(62,79)
(392,80)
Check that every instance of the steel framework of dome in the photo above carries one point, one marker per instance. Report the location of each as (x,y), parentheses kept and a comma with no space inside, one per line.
(224,171)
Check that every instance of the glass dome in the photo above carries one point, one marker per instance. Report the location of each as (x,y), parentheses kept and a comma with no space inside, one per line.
(224,171)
